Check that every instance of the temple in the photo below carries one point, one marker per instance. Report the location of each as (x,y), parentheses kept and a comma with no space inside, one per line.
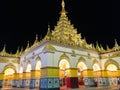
(61,59)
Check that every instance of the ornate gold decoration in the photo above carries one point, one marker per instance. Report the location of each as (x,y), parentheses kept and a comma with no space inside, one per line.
(116,54)
(116,46)
(10,66)
(81,59)
(49,47)
(65,32)
(15,61)
(38,58)
(36,42)
(4,60)
(64,56)
(28,47)
(73,52)
(104,56)
(4,53)
(95,61)
(111,61)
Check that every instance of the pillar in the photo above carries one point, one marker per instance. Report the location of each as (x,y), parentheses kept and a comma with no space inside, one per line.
(35,79)
(26,79)
(88,77)
(118,76)
(20,77)
(1,79)
(105,79)
(97,77)
(15,80)
(72,78)
(49,78)
(113,77)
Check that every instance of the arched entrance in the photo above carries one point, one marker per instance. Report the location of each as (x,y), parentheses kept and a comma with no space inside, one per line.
(112,72)
(37,72)
(64,72)
(28,74)
(97,74)
(81,66)
(9,72)
(38,65)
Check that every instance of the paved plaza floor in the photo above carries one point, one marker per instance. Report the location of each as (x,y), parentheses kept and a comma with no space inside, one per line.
(87,88)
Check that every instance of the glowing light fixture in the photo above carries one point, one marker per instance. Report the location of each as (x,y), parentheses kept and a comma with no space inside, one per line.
(64,64)
(21,70)
(96,67)
(9,71)
(38,65)
(111,67)
(81,66)
(28,68)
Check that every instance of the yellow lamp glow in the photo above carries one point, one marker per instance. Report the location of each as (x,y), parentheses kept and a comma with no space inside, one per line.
(28,68)
(111,67)
(9,71)
(64,64)
(81,66)
(96,67)
(38,65)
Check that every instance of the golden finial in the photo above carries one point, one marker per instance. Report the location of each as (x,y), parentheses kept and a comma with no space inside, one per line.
(63,12)
(107,47)
(21,51)
(97,46)
(17,52)
(63,4)
(116,44)
(36,39)
(4,48)
(48,27)
(3,52)
(101,47)
(27,47)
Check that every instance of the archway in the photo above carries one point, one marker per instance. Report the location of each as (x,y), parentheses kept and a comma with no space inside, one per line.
(28,69)
(97,74)
(9,72)
(37,72)
(38,65)
(112,72)
(64,72)
(81,66)
(28,75)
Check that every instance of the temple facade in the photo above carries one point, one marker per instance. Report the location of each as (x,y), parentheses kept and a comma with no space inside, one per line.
(61,59)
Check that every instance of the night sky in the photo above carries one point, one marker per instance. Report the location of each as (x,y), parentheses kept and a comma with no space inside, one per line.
(21,20)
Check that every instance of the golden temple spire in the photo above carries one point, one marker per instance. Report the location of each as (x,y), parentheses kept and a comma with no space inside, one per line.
(48,35)
(63,12)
